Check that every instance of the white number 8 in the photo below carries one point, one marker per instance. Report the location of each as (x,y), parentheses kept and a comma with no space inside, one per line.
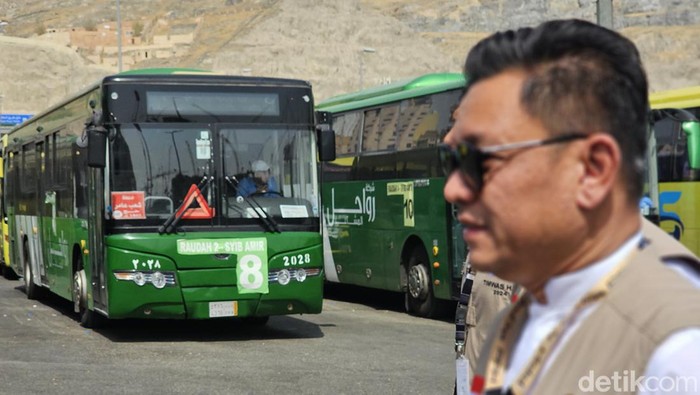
(251,276)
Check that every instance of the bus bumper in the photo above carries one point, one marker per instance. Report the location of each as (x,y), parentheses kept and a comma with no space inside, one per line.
(200,294)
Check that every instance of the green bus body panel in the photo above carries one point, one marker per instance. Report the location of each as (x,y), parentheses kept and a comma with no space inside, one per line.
(60,237)
(201,279)
(375,239)
(58,253)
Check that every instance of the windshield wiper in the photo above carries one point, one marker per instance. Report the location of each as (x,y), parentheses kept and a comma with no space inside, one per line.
(176,215)
(259,211)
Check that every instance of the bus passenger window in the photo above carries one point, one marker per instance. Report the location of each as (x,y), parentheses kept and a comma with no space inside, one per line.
(379,132)
(347,132)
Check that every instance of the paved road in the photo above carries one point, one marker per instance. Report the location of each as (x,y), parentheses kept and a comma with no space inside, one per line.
(359,345)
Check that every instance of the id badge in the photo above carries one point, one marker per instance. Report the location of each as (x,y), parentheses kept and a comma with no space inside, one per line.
(462,384)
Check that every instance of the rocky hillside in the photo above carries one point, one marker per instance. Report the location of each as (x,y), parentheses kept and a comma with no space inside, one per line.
(338,45)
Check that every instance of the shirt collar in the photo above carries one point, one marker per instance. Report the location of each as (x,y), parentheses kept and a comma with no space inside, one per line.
(562,292)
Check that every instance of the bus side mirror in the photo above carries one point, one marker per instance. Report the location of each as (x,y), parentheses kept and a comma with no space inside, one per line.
(326,143)
(692,131)
(325,136)
(97,146)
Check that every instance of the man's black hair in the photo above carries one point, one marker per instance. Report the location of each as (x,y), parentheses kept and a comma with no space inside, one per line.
(581,78)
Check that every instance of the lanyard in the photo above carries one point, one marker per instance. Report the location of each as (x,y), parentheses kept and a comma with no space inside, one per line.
(503,344)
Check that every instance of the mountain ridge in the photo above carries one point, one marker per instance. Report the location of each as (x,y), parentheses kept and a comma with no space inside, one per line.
(339,46)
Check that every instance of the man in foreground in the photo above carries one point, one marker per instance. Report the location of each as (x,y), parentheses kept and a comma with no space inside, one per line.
(545,164)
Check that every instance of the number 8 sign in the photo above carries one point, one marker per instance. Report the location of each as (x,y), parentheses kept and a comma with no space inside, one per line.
(251,270)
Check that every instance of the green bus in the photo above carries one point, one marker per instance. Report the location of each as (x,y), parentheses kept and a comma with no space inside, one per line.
(387,223)
(125,198)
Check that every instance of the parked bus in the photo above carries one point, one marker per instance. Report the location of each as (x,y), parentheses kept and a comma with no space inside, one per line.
(5,267)
(678,164)
(388,225)
(125,198)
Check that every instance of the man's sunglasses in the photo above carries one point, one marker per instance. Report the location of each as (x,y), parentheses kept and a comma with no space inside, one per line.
(470,160)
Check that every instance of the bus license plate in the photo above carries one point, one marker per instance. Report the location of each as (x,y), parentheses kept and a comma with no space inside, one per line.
(223,309)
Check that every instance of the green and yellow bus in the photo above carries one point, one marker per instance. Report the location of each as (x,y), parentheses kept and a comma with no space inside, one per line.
(124,198)
(5,267)
(388,225)
(678,165)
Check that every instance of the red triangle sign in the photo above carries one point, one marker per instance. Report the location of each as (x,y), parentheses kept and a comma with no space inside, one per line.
(201,212)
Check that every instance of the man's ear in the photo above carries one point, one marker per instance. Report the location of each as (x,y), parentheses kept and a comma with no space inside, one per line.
(600,158)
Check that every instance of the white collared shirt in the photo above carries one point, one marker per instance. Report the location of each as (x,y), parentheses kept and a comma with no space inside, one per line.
(677,356)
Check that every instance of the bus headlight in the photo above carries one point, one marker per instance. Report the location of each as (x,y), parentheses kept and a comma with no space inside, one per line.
(157,279)
(300,275)
(283,277)
(139,278)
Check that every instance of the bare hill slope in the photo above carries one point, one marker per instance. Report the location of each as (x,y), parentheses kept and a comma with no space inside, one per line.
(338,45)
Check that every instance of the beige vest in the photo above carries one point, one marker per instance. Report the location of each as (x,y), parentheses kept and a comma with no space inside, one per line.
(647,303)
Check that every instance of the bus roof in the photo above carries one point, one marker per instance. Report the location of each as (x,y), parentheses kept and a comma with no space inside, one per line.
(189,75)
(419,86)
(676,98)
(165,70)
(177,74)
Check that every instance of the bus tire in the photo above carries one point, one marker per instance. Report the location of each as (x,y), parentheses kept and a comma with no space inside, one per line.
(419,291)
(88,318)
(30,288)
(8,273)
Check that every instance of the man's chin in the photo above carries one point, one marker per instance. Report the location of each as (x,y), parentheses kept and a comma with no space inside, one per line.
(493,266)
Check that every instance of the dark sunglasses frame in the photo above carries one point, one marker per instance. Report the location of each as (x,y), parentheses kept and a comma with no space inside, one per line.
(470,159)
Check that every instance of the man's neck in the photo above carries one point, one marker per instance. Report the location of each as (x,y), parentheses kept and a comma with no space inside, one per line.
(599,243)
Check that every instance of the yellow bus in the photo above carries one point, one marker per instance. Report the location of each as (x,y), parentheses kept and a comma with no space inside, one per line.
(677,165)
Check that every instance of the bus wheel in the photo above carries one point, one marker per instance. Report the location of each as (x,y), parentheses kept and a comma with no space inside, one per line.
(88,318)
(419,295)
(29,287)
(8,273)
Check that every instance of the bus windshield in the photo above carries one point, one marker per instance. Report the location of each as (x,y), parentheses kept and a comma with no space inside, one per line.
(157,164)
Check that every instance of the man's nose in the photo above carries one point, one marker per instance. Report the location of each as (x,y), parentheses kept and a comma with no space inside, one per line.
(457,191)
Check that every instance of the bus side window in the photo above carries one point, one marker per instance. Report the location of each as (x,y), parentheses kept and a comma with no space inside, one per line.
(379,129)
(665,150)
(422,124)
(376,167)
(27,175)
(347,129)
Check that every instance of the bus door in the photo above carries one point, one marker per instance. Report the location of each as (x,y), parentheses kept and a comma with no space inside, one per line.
(95,268)
(41,242)
(56,255)
(30,224)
